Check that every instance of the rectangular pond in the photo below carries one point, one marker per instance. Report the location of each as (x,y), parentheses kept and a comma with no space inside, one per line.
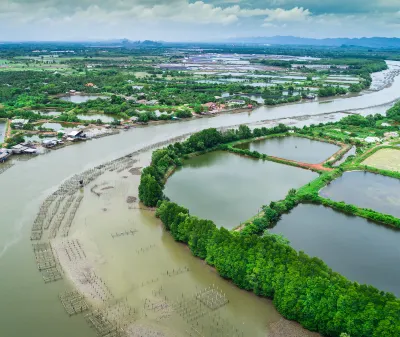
(230,189)
(293,148)
(366,190)
(81,98)
(358,249)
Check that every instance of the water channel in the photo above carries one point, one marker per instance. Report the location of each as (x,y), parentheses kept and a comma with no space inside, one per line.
(366,190)
(2,130)
(31,308)
(358,249)
(230,189)
(293,148)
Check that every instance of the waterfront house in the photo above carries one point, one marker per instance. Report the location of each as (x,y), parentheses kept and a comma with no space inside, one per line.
(76,135)
(18,149)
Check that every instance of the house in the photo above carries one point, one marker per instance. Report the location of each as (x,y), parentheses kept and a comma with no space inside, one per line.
(211,106)
(89,85)
(18,149)
(49,143)
(142,101)
(385,124)
(19,123)
(76,135)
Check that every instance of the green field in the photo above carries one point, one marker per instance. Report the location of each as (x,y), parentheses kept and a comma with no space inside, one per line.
(385,159)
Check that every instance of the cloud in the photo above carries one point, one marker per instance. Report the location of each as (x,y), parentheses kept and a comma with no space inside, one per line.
(294,14)
(194,19)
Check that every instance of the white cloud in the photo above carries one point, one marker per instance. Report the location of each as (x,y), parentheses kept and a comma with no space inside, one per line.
(291,15)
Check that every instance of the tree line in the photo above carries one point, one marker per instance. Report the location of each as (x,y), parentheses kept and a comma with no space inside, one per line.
(303,289)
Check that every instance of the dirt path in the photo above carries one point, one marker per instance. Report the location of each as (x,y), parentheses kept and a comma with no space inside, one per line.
(318,167)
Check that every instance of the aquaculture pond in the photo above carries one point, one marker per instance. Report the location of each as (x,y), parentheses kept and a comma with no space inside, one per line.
(95,117)
(358,249)
(48,113)
(230,189)
(81,98)
(53,126)
(367,190)
(2,131)
(293,148)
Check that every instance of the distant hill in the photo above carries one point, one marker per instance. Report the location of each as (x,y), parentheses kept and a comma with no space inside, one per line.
(371,42)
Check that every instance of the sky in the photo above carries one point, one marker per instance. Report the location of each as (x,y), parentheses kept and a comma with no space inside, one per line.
(191,20)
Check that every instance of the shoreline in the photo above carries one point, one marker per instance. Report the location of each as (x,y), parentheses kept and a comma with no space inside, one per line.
(83,260)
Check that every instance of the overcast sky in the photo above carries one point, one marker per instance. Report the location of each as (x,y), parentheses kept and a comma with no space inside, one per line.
(187,20)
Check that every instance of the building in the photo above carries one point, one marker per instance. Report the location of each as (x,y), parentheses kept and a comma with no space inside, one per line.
(211,106)
(22,148)
(76,135)
(50,143)
(89,85)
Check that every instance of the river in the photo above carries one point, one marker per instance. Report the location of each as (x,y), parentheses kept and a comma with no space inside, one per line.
(28,306)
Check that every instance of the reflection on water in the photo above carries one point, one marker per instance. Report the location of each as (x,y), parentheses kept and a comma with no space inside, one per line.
(366,190)
(95,117)
(293,148)
(230,189)
(360,250)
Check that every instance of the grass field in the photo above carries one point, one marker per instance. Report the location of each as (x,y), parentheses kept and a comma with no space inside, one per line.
(385,159)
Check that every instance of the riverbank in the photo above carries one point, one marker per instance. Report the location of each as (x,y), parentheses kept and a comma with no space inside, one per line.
(111,238)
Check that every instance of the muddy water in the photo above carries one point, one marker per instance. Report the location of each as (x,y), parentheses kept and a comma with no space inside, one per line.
(31,308)
(143,267)
(230,189)
(293,148)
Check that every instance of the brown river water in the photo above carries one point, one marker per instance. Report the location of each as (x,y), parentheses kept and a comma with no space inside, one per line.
(147,271)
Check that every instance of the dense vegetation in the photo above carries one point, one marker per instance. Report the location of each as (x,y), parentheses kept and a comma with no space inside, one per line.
(303,288)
